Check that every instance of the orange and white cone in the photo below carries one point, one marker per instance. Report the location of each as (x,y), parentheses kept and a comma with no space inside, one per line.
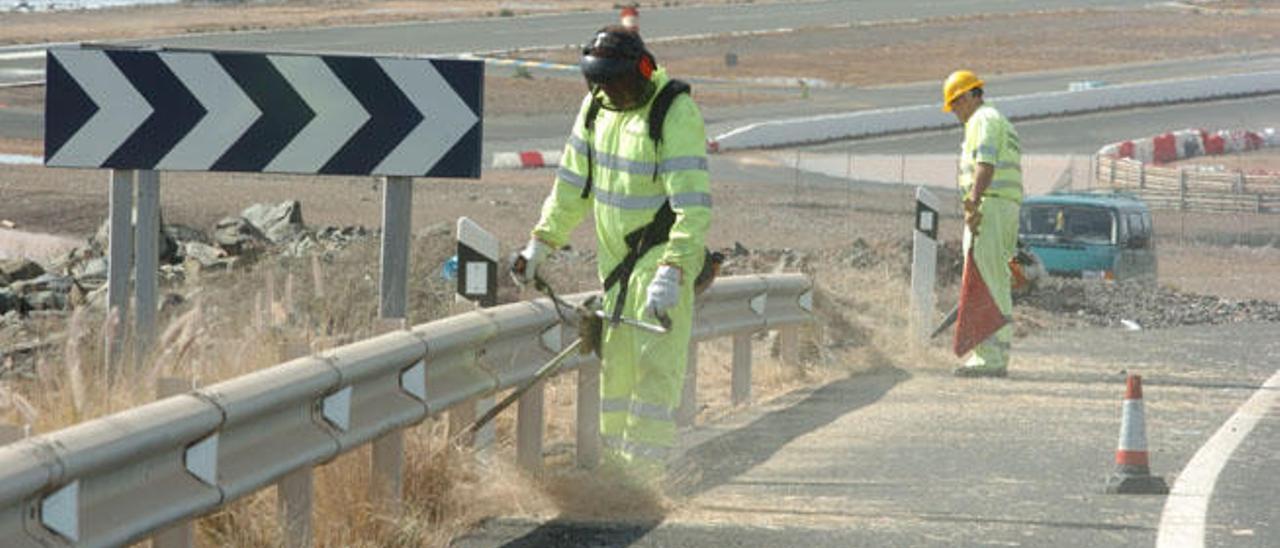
(1133,473)
(631,19)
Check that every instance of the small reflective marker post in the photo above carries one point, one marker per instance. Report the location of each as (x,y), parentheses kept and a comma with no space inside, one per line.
(924,257)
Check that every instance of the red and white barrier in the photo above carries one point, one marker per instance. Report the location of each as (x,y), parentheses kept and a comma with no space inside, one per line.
(527,159)
(1190,143)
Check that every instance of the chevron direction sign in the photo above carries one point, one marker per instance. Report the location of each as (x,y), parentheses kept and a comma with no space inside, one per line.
(186,110)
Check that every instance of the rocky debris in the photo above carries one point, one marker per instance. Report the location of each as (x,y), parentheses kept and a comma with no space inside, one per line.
(279,223)
(17,270)
(238,236)
(1147,305)
(101,241)
(79,276)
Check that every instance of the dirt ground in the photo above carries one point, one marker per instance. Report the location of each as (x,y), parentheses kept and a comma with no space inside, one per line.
(991,44)
(201,17)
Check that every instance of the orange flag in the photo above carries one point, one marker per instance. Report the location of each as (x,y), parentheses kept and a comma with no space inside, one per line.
(978,316)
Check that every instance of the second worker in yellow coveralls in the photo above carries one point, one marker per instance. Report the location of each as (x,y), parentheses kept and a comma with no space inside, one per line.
(636,159)
(991,183)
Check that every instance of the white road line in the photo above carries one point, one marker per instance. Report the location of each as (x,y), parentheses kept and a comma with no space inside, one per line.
(1182,523)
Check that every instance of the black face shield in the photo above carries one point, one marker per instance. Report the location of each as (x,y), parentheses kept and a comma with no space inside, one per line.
(601,70)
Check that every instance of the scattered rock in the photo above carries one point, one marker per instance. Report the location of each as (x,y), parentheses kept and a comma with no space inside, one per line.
(279,223)
(236,235)
(11,302)
(17,270)
(1143,304)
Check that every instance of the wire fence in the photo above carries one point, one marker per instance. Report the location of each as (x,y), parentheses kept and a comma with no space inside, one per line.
(1183,189)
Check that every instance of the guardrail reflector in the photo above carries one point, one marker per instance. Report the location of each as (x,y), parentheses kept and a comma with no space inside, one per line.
(337,409)
(202,460)
(60,512)
(806,301)
(758,303)
(414,380)
(552,339)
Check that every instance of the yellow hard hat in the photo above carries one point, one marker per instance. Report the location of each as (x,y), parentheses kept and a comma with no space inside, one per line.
(956,85)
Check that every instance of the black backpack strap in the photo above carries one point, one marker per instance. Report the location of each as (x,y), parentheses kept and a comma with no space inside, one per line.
(658,115)
(662,104)
(589,127)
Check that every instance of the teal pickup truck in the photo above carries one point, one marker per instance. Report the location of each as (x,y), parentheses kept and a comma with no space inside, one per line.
(1099,235)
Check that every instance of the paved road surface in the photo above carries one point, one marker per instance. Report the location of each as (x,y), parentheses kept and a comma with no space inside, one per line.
(919,458)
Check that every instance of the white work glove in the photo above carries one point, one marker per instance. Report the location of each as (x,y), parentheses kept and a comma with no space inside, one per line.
(534,254)
(664,291)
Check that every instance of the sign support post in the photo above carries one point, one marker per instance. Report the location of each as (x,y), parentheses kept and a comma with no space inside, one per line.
(397,208)
(120,258)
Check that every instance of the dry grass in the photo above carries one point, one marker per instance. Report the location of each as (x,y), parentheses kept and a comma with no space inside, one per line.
(222,334)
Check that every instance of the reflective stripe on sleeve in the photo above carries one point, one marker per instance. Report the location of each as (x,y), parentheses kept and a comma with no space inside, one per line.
(686,199)
(571,178)
(578,144)
(683,163)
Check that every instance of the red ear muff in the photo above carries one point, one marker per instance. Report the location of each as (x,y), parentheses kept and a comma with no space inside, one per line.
(645,66)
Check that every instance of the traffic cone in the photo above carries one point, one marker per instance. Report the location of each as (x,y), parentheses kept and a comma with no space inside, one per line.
(630,18)
(1132,475)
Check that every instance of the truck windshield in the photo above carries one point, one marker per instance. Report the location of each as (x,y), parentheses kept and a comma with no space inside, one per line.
(1069,223)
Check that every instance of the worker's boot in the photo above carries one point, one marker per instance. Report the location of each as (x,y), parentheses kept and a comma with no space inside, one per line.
(988,360)
(981,371)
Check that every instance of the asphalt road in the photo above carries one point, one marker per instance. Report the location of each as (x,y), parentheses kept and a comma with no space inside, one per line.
(1085,134)
(919,458)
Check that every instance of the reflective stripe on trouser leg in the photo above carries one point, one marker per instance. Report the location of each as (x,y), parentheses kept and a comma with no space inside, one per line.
(996,243)
(642,378)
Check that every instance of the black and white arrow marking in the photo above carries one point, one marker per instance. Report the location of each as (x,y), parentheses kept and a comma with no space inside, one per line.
(257,112)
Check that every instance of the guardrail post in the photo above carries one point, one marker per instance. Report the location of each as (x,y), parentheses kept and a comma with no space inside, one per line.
(1142,176)
(1239,186)
(181,534)
(688,410)
(1113,172)
(789,345)
(460,418)
(529,428)
(388,471)
(293,502)
(741,384)
(588,437)
(10,433)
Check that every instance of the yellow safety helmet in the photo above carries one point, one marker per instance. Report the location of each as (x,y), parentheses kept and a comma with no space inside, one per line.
(957,84)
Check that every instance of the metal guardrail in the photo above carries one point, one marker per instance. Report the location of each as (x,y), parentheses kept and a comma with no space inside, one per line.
(147,470)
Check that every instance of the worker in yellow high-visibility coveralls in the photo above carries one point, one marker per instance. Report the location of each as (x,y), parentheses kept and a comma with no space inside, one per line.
(636,159)
(991,183)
